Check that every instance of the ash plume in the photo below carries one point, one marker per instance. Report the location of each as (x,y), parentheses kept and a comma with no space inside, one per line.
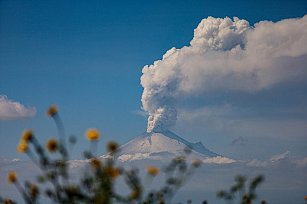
(224,55)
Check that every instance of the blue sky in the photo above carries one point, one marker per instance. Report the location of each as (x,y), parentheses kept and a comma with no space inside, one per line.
(88,57)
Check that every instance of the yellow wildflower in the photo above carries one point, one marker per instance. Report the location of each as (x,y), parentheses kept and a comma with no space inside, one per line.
(196,163)
(7,201)
(112,147)
(34,190)
(113,172)
(27,135)
(95,163)
(152,170)
(22,147)
(135,194)
(92,134)
(52,145)
(52,110)
(11,177)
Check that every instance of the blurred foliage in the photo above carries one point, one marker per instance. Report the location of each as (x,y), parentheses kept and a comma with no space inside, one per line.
(245,194)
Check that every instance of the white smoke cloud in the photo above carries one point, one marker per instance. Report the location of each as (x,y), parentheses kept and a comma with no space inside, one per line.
(14,110)
(162,118)
(224,55)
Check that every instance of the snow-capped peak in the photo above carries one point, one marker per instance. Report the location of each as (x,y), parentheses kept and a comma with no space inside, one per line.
(163,145)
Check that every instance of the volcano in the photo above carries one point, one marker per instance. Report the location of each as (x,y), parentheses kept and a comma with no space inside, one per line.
(166,145)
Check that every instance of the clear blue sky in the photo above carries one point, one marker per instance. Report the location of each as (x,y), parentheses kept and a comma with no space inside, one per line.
(87,57)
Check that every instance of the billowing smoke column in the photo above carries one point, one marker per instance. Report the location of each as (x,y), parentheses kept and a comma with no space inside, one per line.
(224,54)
